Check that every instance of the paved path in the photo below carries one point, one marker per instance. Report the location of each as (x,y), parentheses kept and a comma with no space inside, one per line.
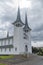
(33,60)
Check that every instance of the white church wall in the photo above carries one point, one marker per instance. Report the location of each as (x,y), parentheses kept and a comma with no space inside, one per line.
(21,44)
(29,42)
(16,40)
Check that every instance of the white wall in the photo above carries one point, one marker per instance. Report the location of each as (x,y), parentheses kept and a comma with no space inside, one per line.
(16,40)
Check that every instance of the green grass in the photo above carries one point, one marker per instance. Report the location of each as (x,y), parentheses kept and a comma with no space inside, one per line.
(6,57)
(2,64)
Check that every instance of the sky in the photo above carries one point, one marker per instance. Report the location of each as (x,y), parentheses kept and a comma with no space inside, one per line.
(34,8)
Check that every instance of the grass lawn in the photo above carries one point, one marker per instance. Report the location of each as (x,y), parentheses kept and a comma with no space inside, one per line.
(6,57)
(2,64)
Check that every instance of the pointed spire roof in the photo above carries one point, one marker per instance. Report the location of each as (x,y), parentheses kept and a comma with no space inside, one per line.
(26,27)
(26,22)
(18,20)
(18,14)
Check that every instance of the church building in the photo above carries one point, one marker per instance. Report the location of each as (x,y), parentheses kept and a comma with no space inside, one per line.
(20,42)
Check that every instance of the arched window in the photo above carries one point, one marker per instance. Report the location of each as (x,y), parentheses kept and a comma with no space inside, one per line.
(10,49)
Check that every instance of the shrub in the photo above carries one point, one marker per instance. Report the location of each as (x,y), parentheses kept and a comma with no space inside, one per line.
(35,50)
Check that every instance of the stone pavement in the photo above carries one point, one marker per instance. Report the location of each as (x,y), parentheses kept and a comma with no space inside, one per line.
(32,60)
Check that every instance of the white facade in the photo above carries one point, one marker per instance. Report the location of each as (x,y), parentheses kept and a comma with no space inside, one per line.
(21,41)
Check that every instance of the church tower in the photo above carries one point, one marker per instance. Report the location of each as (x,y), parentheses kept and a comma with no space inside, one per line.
(22,35)
(18,33)
(27,36)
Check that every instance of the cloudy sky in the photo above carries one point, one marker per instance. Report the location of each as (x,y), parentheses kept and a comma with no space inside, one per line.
(8,10)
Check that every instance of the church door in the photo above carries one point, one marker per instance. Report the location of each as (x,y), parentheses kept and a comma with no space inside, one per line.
(26,48)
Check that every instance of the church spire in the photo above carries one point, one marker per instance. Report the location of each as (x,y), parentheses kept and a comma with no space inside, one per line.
(26,22)
(18,14)
(26,27)
(18,21)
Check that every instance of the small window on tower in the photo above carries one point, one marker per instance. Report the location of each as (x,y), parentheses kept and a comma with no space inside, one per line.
(25,38)
(26,30)
(18,25)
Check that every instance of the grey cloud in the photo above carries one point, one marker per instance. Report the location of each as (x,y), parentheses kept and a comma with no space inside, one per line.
(36,20)
(39,29)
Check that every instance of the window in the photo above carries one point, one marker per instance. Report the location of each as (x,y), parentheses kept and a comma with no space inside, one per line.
(15,49)
(26,30)
(1,42)
(9,49)
(5,42)
(1,49)
(8,41)
(25,36)
(17,25)
(5,49)
(12,41)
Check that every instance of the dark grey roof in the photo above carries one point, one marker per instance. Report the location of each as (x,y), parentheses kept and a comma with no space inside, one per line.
(26,27)
(7,46)
(18,20)
(6,38)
